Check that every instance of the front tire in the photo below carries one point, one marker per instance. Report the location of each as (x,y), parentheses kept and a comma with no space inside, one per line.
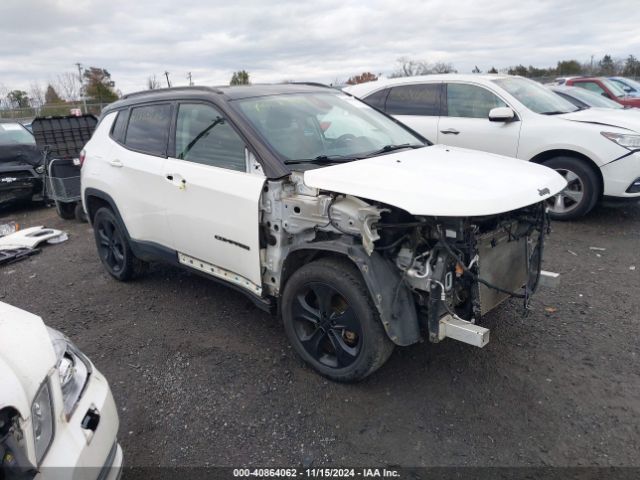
(582,191)
(113,247)
(331,322)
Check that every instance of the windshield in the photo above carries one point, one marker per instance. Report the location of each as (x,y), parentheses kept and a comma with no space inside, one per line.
(313,126)
(632,83)
(535,97)
(614,88)
(591,98)
(14,133)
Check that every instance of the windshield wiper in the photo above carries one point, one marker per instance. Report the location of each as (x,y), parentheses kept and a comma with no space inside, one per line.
(321,160)
(391,148)
(555,112)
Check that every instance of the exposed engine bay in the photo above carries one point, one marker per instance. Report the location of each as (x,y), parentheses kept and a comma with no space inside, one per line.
(14,463)
(453,268)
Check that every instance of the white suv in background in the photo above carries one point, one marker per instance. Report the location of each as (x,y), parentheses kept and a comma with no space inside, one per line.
(597,151)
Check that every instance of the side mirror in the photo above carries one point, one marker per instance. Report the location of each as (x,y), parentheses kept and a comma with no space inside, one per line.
(627,89)
(501,114)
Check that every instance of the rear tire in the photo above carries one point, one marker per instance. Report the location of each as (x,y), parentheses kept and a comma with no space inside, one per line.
(113,247)
(332,323)
(581,193)
(66,210)
(79,213)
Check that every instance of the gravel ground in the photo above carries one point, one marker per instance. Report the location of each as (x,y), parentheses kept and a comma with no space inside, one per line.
(201,377)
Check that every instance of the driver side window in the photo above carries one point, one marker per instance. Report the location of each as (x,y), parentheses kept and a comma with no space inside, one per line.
(204,136)
(470,101)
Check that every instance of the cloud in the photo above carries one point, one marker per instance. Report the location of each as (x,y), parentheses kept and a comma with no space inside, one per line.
(300,40)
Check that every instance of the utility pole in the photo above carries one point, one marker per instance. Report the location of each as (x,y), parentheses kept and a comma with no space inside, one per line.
(190,80)
(84,100)
(166,74)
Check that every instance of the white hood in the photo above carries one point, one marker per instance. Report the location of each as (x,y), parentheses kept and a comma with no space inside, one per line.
(26,356)
(628,118)
(441,181)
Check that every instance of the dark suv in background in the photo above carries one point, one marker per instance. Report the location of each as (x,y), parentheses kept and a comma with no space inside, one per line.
(21,164)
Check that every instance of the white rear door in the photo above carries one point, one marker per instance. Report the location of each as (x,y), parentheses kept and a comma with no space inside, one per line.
(213,204)
(417,106)
(135,171)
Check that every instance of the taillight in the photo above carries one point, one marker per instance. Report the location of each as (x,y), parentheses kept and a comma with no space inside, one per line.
(82,156)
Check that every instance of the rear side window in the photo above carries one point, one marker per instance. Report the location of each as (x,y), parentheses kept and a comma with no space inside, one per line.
(593,86)
(378,99)
(204,136)
(148,129)
(414,100)
(470,101)
(119,126)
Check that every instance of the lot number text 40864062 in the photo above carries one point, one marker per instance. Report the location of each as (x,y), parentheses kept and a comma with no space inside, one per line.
(315,473)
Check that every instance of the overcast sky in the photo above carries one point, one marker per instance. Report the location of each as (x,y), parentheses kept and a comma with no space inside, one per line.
(321,40)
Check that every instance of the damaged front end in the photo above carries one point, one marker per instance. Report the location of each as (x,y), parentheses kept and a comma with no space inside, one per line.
(460,269)
(429,277)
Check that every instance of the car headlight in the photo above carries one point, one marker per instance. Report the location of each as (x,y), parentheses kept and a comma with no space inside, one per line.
(42,420)
(73,370)
(632,142)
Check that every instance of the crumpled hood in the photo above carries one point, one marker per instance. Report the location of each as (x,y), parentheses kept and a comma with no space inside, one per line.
(26,356)
(628,118)
(17,154)
(442,181)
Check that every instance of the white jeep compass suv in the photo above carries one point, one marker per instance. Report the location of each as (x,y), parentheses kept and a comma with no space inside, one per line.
(319,207)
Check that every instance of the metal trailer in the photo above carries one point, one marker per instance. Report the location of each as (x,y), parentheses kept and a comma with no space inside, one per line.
(61,140)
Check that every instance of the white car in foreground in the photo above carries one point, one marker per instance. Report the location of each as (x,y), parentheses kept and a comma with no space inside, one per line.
(598,152)
(56,409)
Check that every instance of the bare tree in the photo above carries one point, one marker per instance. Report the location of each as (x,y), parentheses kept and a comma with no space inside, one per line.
(443,67)
(37,95)
(4,97)
(68,85)
(152,82)
(407,67)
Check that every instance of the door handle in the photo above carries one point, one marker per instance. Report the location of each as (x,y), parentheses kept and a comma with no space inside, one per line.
(181,183)
(116,163)
(450,131)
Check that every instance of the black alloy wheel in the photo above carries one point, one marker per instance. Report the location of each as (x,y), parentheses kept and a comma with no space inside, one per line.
(113,247)
(331,321)
(326,326)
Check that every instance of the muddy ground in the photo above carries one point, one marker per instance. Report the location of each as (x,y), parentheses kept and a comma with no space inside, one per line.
(201,377)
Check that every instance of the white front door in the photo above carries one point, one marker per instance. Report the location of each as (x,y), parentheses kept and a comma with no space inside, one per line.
(465,121)
(213,208)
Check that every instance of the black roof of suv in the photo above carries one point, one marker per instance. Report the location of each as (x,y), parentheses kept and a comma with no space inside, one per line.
(222,93)
(222,97)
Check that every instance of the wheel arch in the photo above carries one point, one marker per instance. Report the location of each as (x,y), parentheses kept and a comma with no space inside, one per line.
(394,302)
(95,199)
(542,157)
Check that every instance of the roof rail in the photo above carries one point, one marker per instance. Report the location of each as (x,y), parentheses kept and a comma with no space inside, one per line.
(312,84)
(170,89)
